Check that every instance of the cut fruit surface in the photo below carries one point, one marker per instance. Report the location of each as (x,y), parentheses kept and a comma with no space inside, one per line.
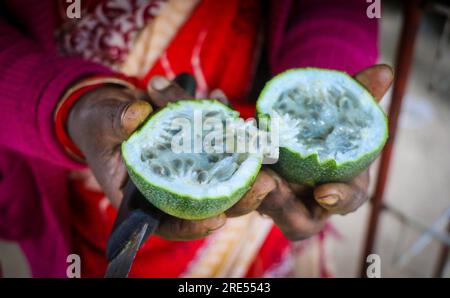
(330,126)
(188,184)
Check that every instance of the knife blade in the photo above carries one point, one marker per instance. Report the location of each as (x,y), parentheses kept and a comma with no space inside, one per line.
(120,266)
(137,219)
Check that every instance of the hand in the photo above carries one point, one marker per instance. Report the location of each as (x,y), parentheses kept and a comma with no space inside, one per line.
(106,116)
(98,123)
(300,211)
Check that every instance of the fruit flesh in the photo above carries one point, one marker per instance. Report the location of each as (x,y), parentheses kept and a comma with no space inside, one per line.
(193,169)
(191,185)
(328,122)
(330,126)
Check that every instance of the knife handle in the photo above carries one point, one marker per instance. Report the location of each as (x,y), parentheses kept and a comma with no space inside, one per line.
(135,210)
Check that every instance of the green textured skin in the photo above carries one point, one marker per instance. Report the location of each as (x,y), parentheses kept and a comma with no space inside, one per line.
(180,206)
(186,207)
(309,170)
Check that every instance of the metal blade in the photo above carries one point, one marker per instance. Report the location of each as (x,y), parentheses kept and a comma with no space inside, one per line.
(120,266)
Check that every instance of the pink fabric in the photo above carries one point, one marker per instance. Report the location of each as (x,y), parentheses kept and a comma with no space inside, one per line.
(335,34)
(33,186)
(34,206)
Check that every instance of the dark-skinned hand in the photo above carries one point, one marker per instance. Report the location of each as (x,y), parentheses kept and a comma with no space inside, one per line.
(106,116)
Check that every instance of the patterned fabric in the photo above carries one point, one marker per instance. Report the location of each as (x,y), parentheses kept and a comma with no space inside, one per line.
(156,36)
(219,45)
(106,33)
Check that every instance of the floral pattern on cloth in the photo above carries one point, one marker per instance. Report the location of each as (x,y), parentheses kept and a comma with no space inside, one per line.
(106,33)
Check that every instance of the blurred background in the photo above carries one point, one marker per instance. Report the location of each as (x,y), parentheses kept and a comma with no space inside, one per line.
(418,189)
(413,225)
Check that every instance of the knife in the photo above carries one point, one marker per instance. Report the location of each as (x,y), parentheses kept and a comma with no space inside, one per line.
(137,219)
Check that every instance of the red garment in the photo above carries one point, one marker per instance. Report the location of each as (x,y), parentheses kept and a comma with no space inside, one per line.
(213,31)
(229,34)
(34,167)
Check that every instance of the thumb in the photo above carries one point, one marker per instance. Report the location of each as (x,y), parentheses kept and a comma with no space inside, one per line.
(377,79)
(133,115)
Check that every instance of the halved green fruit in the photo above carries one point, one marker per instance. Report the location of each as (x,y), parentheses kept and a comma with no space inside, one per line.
(185,184)
(330,126)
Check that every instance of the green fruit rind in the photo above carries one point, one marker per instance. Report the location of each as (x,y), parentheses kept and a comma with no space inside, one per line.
(308,169)
(186,207)
(171,200)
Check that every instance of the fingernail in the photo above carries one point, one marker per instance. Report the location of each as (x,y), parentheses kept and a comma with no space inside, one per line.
(159,83)
(134,114)
(219,95)
(329,200)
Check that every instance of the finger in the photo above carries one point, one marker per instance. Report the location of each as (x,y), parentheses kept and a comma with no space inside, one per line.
(291,215)
(300,189)
(133,115)
(219,95)
(187,82)
(377,79)
(263,185)
(293,218)
(343,198)
(162,91)
(173,228)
